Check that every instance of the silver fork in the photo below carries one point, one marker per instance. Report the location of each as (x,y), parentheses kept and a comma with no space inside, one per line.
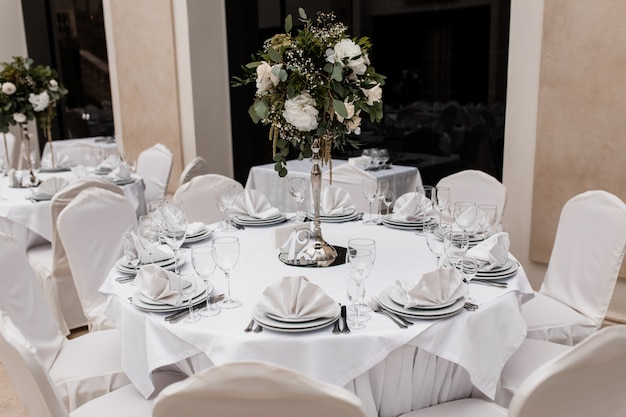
(376,308)
(249,326)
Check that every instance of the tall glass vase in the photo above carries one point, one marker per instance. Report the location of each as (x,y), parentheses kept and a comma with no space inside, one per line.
(321,252)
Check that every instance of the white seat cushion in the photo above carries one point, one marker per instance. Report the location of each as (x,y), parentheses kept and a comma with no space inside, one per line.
(548,319)
(469,407)
(124,402)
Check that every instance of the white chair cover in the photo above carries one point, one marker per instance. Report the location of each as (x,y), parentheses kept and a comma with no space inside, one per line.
(198,166)
(349,178)
(82,368)
(198,197)
(91,229)
(587,380)
(583,268)
(50,261)
(154,165)
(255,388)
(11,147)
(476,186)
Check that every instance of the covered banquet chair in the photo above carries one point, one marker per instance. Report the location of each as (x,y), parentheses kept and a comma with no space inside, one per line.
(198,166)
(242,389)
(587,380)
(82,368)
(582,271)
(154,166)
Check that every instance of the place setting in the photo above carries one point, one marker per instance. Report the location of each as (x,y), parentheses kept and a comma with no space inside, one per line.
(293,304)
(252,208)
(47,189)
(336,206)
(435,295)
(142,248)
(411,211)
(197,232)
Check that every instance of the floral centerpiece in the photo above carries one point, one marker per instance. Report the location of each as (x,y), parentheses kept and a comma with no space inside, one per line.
(28,92)
(315,84)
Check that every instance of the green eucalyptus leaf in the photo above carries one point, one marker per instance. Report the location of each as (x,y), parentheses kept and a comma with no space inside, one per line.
(285,151)
(253,115)
(336,75)
(302,13)
(261,108)
(282,173)
(278,166)
(281,143)
(274,54)
(277,158)
(340,108)
(282,75)
(291,92)
(288,23)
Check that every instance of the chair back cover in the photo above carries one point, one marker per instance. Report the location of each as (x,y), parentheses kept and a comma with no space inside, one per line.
(11,147)
(154,165)
(22,299)
(589,380)
(587,253)
(199,166)
(349,178)
(257,389)
(30,378)
(476,186)
(91,228)
(198,197)
(63,284)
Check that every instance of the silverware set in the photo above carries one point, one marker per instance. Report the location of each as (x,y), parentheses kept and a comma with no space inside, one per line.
(397,319)
(252,328)
(179,315)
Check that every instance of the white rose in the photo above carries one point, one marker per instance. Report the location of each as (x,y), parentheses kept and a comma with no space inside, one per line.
(358,66)
(54,85)
(300,112)
(265,80)
(373,94)
(19,117)
(39,101)
(8,88)
(345,48)
(349,109)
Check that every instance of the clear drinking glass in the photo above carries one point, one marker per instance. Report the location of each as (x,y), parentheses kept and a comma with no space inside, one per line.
(486,218)
(435,238)
(368,188)
(297,187)
(381,189)
(388,200)
(174,230)
(203,261)
(130,251)
(358,243)
(227,195)
(469,267)
(226,256)
(148,236)
(441,201)
(359,262)
(465,213)
(455,246)
(188,288)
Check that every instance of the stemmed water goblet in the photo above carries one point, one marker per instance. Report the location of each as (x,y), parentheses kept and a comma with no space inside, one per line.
(424,205)
(381,189)
(465,213)
(435,238)
(188,288)
(227,194)
(368,188)
(455,245)
(297,188)
(486,218)
(226,255)
(359,262)
(203,262)
(148,236)
(469,267)
(388,199)
(441,201)
(370,245)
(174,230)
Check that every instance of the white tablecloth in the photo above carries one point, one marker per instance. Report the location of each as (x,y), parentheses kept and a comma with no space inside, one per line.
(393,370)
(108,146)
(29,221)
(402,179)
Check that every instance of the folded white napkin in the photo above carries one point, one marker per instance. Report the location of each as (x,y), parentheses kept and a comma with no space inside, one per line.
(335,201)
(161,253)
(60,161)
(491,252)
(407,208)
(121,172)
(159,284)
(51,186)
(297,297)
(433,288)
(195,228)
(255,204)
(362,161)
(109,164)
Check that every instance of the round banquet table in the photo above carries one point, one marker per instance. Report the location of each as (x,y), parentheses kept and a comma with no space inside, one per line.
(392,370)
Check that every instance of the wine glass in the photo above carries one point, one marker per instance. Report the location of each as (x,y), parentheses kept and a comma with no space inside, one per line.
(368,188)
(353,297)
(424,193)
(370,245)
(359,263)
(469,267)
(455,245)
(296,190)
(148,236)
(130,251)
(435,238)
(203,262)
(381,189)
(388,200)
(486,218)
(227,195)
(155,211)
(465,213)
(188,287)
(441,200)
(226,255)
(174,230)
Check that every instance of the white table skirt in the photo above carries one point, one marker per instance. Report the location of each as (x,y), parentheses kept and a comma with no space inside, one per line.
(402,179)
(31,222)
(454,355)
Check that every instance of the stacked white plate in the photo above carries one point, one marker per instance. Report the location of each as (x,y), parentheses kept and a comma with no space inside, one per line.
(474,238)
(245,220)
(201,235)
(122,265)
(291,325)
(56,169)
(143,302)
(346,216)
(392,299)
(408,225)
(37,196)
(500,272)
(121,181)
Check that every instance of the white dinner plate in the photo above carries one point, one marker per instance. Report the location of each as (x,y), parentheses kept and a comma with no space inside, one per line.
(336,219)
(418,225)
(200,292)
(280,326)
(201,236)
(246,220)
(40,197)
(125,269)
(56,169)
(434,313)
(121,181)
(299,319)
(167,308)
(397,296)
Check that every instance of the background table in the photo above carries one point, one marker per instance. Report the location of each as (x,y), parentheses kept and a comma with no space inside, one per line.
(106,145)
(392,370)
(402,179)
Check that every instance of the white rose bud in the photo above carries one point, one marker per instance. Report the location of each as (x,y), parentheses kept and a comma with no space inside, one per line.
(373,94)
(39,101)
(300,112)
(54,83)
(8,88)
(265,80)
(19,117)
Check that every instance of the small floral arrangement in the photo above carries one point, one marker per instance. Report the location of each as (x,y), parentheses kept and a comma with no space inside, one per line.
(28,92)
(317,83)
